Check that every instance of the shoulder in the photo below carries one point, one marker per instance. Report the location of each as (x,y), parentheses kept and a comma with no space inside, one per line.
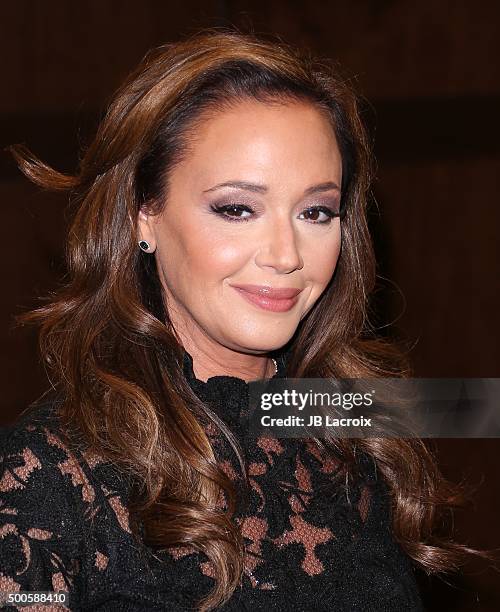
(57,503)
(36,461)
(40,465)
(39,523)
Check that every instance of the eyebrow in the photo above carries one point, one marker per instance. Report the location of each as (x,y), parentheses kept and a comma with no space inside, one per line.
(254,187)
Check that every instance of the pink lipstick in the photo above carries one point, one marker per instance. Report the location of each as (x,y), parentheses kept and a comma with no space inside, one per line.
(269,298)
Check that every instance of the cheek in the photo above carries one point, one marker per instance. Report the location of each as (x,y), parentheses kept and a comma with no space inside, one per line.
(322,257)
(200,257)
(320,262)
(216,257)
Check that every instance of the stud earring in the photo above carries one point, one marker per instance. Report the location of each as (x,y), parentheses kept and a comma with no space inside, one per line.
(144,245)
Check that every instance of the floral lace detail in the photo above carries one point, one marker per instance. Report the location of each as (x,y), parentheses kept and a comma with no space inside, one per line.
(310,532)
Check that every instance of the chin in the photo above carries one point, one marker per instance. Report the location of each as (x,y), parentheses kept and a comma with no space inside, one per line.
(260,342)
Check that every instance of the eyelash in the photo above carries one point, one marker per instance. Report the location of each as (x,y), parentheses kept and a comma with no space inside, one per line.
(221,209)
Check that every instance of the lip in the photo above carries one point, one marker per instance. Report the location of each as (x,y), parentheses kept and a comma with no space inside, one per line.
(283,293)
(269,298)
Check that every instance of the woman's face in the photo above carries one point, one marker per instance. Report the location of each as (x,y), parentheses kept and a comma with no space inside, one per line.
(249,205)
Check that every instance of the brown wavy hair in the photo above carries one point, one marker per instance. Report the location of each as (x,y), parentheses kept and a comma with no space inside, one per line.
(106,335)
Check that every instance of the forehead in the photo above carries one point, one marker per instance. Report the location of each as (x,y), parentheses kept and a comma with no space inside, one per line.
(278,143)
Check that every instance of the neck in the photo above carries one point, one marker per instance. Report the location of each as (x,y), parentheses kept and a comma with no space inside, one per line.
(213,359)
(227,362)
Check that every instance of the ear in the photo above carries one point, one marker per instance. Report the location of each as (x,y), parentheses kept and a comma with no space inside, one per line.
(145,227)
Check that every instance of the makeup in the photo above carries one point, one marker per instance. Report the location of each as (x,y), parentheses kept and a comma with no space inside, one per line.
(269,298)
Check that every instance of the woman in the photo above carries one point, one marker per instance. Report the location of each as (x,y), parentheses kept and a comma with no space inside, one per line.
(220,237)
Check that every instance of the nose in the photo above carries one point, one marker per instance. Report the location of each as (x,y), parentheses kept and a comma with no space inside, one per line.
(279,248)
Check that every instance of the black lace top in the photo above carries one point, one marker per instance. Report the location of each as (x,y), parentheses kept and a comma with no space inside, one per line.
(314,540)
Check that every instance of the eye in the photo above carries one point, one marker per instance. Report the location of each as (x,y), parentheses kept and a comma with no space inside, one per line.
(236,213)
(315,211)
(234,209)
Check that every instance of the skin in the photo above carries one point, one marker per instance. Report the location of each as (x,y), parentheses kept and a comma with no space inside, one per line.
(287,148)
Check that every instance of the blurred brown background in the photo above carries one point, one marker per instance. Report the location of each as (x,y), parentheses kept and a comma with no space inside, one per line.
(430,71)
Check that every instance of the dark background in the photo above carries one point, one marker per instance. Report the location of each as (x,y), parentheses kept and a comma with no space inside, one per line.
(430,71)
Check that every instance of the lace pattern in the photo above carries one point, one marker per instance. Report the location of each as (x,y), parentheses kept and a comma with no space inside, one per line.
(314,539)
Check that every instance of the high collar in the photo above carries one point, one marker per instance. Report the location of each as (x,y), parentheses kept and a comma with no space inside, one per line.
(227,396)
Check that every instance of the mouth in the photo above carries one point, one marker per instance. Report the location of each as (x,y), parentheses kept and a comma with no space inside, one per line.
(268,298)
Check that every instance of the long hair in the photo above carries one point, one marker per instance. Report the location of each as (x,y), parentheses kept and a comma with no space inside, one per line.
(106,334)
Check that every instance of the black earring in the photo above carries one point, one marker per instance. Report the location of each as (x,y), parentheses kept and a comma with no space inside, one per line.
(144,245)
